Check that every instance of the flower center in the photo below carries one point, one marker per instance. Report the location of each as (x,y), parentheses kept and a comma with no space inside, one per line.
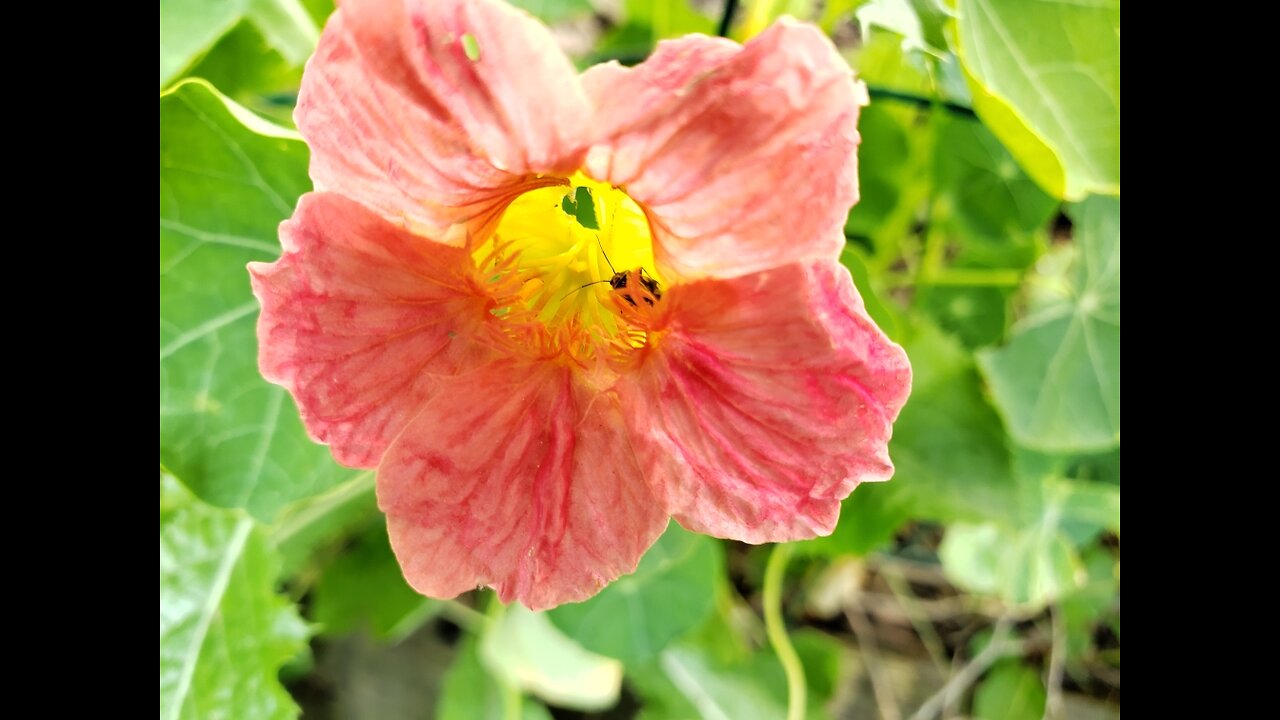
(554,260)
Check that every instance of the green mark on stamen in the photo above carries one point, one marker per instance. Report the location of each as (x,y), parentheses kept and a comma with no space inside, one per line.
(471,47)
(581,207)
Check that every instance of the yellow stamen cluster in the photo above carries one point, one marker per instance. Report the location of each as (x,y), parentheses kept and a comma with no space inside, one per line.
(549,268)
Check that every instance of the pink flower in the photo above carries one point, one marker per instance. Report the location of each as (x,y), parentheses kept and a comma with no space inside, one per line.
(429,316)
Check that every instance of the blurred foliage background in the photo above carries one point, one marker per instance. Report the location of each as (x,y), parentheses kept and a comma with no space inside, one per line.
(984,580)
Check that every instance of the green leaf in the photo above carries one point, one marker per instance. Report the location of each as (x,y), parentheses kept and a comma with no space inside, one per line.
(686,682)
(224,632)
(287,26)
(1057,382)
(919,22)
(982,183)
(469,692)
(556,11)
(1030,566)
(888,182)
(246,68)
(1046,80)
(868,519)
(671,592)
(188,28)
(1011,691)
(227,179)
(949,448)
(309,525)
(523,649)
(1032,556)
(364,589)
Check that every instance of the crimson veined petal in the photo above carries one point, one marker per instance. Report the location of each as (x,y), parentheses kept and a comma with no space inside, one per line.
(518,477)
(360,319)
(744,156)
(768,398)
(438,113)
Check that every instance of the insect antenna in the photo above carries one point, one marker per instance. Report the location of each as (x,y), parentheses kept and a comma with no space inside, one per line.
(606,256)
(583,287)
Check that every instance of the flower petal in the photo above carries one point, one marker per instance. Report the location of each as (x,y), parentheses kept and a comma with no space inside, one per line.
(438,113)
(516,477)
(765,402)
(359,319)
(744,156)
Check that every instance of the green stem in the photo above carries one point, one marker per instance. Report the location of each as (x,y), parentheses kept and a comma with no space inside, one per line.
(774,571)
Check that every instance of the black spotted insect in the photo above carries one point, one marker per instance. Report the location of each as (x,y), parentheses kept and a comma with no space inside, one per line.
(634,292)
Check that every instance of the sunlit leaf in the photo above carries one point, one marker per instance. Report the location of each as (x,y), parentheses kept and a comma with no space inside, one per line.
(364,589)
(1047,83)
(523,649)
(471,693)
(224,632)
(1011,691)
(670,593)
(1057,382)
(224,187)
(188,28)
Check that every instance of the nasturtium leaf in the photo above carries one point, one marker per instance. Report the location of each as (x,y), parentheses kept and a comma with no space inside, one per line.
(1057,382)
(308,526)
(986,189)
(524,650)
(919,22)
(868,519)
(471,693)
(190,27)
(1046,79)
(887,179)
(950,451)
(1032,556)
(671,592)
(287,26)
(224,632)
(247,69)
(227,179)
(556,11)
(883,313)
(1011,691)
(1029,567)
(363,589)
(687,682)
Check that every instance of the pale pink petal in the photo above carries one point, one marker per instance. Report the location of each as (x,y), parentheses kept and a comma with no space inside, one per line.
(360,319)
(765,400)
(515,477)
(744,156)
(401,118)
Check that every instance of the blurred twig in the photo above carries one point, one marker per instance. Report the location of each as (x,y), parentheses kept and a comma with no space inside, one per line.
(919,619)
(870,650)
(1057,665)
(999,647)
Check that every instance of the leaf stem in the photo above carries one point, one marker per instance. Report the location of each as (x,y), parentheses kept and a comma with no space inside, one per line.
(726,18)
(774,571)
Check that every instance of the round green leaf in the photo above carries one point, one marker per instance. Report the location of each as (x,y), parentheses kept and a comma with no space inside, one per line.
(1046,78)
(227,179)
(1057,382)
(670,593)
(224,632)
